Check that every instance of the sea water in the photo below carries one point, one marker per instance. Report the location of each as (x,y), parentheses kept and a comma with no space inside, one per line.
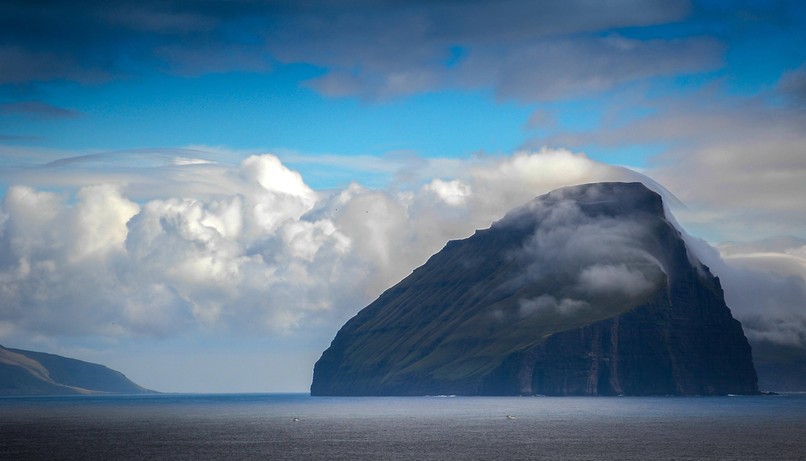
(301,427)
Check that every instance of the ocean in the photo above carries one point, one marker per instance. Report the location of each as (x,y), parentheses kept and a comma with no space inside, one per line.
(301,427)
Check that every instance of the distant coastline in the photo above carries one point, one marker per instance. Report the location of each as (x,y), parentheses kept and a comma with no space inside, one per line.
(30,373)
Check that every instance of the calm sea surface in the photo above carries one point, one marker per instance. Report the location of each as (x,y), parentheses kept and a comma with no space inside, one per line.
(278,427)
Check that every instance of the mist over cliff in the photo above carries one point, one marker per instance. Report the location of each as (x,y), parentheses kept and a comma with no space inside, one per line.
(587,290)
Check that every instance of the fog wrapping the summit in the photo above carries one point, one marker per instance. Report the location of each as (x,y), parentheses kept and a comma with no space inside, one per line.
(582,261)
(251,247)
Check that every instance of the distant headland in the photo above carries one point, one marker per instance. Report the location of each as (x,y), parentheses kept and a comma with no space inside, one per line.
(36,373)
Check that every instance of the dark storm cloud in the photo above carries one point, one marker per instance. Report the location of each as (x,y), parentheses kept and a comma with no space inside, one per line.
(514,46)
(97,40)
(370,49)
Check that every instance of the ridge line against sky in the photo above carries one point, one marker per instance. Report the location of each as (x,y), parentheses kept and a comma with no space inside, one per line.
(267,167)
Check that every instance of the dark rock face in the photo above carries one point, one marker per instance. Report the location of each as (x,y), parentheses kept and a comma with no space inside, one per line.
(588,290)
(36,373)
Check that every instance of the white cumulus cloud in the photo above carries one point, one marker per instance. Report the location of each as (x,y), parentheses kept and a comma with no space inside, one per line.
(262,253)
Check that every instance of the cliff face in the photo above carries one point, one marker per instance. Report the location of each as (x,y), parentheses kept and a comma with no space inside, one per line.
(36,373)
(588,290)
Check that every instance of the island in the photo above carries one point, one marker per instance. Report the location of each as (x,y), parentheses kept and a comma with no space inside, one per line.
(587,290)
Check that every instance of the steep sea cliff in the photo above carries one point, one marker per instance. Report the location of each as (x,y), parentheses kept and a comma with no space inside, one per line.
(587,290)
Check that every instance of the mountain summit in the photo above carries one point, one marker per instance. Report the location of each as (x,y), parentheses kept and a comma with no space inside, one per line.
(587,290)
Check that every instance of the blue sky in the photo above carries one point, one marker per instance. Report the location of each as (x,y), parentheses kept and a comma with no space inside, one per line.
(257,112)
(258,130)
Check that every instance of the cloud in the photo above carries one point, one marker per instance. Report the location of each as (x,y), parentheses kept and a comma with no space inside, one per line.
(35,65)
(578,259)
(769,305)
(561,68)
(737,162)
(766,280)
(619,279)
(37,109)
(18,138)
(451,192)
(260,252)
(747,166)
(793,85)
(524,50)
(105,265)
(97,42)
(251,247)
(547,304)
(144,173)
(764,283)
(416,46)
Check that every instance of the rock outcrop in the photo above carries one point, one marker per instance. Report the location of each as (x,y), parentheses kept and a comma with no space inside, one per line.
(587,290)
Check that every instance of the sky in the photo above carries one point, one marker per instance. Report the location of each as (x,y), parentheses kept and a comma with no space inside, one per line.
(200,193)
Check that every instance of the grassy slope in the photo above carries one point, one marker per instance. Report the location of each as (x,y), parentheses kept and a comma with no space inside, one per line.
(36,373)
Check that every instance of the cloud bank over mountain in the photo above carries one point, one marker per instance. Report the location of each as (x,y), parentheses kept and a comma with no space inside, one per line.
(265,253)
